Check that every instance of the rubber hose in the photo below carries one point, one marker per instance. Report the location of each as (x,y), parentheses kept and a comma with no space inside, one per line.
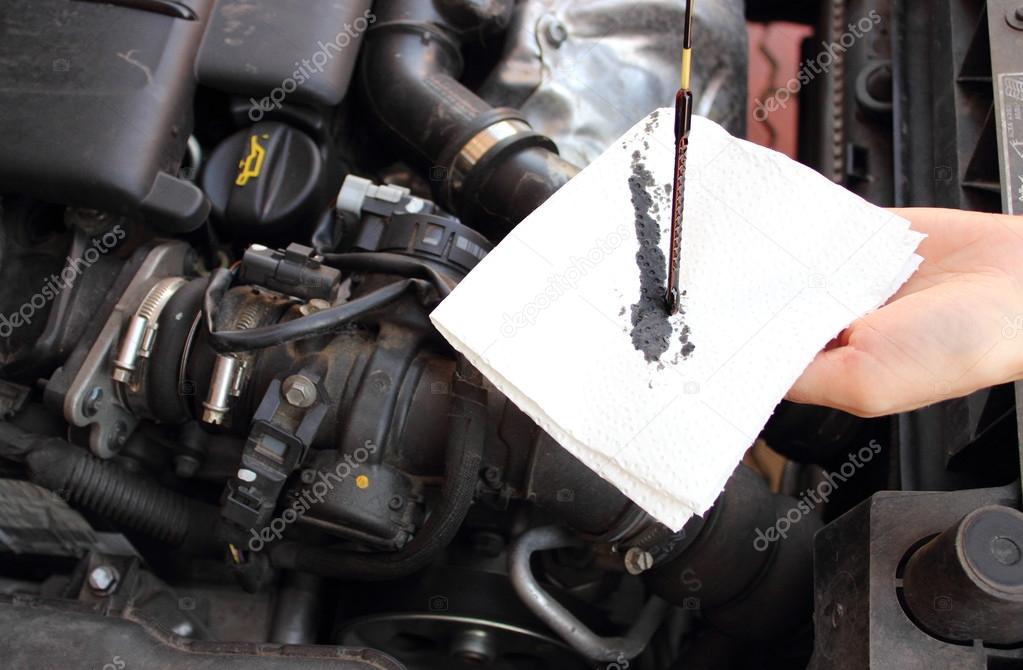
(410,64)
(125,498)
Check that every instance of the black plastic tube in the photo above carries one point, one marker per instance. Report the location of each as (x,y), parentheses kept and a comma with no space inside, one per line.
(410,64)
(124,498)
(388,263)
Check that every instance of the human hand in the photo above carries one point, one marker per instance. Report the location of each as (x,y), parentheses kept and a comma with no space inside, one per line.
(955,327)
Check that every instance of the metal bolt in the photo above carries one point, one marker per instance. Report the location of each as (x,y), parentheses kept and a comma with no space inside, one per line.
(184,629)
(474,646)
(308,476)
(92,401)
(396,503)
(638,561)
(118,437)
(103,579)
(556,32)
(299,391)
(492,475)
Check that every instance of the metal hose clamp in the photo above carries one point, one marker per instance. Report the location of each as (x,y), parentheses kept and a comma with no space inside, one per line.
(138,339)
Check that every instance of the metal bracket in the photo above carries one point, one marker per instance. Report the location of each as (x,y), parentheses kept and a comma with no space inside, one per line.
(561,621)
(91,400)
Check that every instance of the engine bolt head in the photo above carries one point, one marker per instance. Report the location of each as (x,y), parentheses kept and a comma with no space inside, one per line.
(299,391)
(396,503)
(556,32)
(638,561)
(90,407)
(492,475)
(103,579)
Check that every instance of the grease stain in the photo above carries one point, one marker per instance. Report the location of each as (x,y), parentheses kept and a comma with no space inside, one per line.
(651,326)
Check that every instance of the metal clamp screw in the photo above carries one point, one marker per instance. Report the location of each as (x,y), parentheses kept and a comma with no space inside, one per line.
(638,561)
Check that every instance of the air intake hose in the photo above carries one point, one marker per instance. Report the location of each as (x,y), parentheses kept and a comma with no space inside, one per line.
(486,164)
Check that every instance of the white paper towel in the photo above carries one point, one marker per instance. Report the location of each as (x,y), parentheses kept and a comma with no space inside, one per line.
(777,260)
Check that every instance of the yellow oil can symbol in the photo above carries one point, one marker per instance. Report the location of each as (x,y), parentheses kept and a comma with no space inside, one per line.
(250,166)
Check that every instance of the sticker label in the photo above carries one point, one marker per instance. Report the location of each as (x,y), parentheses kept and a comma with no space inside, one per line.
(1010,89)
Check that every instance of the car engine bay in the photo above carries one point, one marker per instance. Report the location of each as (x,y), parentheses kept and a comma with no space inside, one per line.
(231,435)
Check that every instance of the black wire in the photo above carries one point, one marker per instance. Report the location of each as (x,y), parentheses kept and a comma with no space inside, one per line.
(387,263)
(330,319)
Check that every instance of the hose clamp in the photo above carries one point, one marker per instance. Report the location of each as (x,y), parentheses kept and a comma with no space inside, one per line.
(479,145)
(141,334)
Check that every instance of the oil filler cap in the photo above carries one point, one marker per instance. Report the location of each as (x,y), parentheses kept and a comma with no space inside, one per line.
(267,182)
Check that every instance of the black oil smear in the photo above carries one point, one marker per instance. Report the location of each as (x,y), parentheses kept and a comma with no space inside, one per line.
(651,327)
(651,330)
(687,346)
(651,123)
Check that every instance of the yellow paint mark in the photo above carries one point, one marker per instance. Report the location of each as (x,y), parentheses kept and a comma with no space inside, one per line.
(362,481)
(234,554)
(250,166)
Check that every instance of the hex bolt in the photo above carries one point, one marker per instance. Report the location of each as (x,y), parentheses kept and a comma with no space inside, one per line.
(396,503)
(638,561)
(103,580)
(299,391)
